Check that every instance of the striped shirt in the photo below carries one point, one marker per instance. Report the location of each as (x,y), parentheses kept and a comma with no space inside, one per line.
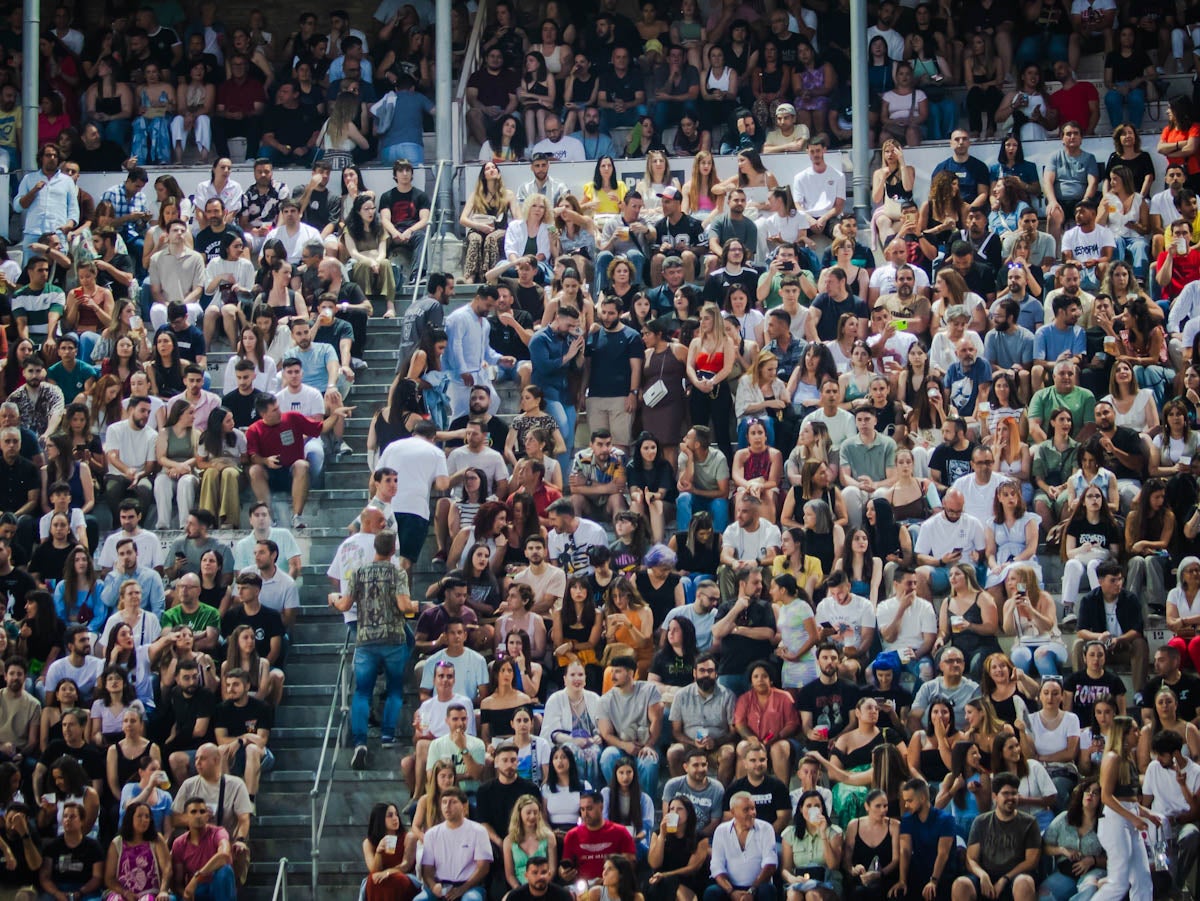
(35,308)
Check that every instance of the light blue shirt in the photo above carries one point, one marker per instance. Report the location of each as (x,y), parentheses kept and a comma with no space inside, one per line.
(315,363)
(1050,341)
(53,206)
(467,347)
(595,146)
(151,584)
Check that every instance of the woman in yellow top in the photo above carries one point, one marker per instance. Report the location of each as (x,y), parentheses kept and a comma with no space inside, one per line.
(602,196)
(629,620)
(804,569)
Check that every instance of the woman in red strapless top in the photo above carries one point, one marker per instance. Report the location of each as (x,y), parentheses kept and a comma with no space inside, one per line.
(709,364)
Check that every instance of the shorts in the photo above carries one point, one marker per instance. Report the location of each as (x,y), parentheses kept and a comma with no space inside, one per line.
(279,479)
(410,534)
(237,766)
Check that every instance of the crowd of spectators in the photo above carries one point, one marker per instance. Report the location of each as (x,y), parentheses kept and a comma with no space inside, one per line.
(782,624)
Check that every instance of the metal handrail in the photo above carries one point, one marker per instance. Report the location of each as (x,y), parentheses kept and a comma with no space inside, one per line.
(471,55)
(281,885)
(340,702)
(419,264)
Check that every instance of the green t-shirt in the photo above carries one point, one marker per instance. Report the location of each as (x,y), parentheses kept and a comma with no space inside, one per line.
(204,617)
(72,383)
(773,299)
(1080,401)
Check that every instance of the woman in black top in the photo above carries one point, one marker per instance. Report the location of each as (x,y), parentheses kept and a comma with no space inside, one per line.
(673,662)
(651,482)
(212,591)
(676,856)
(165,367)
(40,633)
(697,553)
(1128,152)
(658,583)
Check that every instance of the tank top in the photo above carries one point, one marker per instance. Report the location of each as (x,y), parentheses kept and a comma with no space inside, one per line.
(758,464)
(179,447)
(719,83)
(915,509)
(864,853)
(820,545)
(710,363)
(893,187)
(137,868)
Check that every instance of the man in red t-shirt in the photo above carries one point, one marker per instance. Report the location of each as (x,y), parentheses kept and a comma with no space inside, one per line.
(276,447)
(1075,101)
(588,845)
(200,858)
(1176,269)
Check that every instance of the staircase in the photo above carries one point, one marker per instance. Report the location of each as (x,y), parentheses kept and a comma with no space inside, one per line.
(282,827)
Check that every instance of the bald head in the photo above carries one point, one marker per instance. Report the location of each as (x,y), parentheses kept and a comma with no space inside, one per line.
(329,268)
(372,520)
(953,501)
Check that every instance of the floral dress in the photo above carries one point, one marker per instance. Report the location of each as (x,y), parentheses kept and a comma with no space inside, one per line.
(137,868)
(151,130)
(792,634)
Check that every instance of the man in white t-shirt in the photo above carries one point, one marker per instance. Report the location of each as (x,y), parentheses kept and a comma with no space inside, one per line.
(848,621)
(947,539)
(1164,785)
(130,446)
(747,542)
(838,420)
(149,548)
(424,468)
(979,487)
(1088,244)
(820,190)
(79,664)
(475,454)
(571,538)
(457,852)
(883,279)
(260,529)
(548,583)
(908,626)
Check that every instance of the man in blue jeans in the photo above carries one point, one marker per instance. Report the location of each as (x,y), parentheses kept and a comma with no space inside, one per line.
(379,591)
(201,858)
(703,480)
(553,352)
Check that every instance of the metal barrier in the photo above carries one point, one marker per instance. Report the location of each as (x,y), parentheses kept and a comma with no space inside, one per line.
(435,231)
(339,706)
(469,64)
(280,892)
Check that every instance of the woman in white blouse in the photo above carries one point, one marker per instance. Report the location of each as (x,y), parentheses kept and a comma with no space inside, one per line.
(1052,737)
(1183,611)
(761,396)
(530,235)
(1134,406)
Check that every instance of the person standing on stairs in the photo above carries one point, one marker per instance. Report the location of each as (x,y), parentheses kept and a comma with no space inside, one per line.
(379,592)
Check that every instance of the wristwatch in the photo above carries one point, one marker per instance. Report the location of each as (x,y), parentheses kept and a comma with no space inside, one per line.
(634,392)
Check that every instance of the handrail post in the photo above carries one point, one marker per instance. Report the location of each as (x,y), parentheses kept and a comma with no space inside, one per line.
(439,212)
(280,891)
(338,702)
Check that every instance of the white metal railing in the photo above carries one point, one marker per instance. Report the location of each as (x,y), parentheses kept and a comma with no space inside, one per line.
(339,708)
(280,892)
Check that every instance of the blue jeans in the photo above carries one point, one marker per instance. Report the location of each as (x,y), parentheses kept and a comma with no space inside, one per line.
(647,770)
(687,502)
(735,682)
(1131,108)
(221,887)
(1135,251)
(475,894)
(635,257)
(1047,658)
(1039,48)
(669,112)
(564,417)
(368,661)
(414,153)
(943,116)
(610,119)
(119,131)
(1063,888)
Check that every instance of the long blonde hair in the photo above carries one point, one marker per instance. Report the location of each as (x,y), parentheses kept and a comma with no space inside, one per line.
(433,796)
(485,197)
(341,116)
(648,176)
(515,829)
(764,357)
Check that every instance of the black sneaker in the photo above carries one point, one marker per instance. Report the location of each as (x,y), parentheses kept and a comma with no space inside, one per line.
(359,760)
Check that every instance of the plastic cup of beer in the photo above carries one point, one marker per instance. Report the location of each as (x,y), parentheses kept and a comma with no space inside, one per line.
(672,822)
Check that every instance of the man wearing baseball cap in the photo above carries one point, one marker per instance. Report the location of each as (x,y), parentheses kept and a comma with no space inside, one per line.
(678,236)
(786,136)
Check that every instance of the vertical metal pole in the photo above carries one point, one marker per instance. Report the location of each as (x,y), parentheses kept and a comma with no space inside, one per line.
(32,26)
(443,65)
(860,153)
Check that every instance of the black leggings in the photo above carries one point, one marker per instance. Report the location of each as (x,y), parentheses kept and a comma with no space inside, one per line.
(980,101)
(715,409)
